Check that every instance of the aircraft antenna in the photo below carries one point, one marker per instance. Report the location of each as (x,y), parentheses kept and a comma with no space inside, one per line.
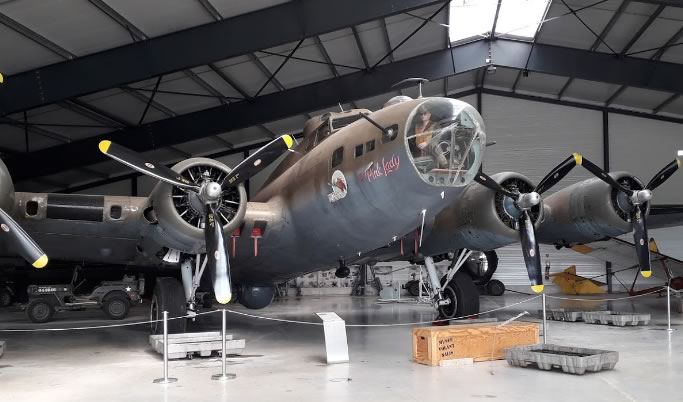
(340,107)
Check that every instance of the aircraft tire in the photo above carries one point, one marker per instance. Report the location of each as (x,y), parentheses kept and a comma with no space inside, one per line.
(495,287)
(413,288)
(169,295)
(462,291)
(5,298)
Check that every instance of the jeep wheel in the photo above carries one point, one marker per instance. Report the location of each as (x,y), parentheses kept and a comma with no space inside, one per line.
(40,311)
(116,306)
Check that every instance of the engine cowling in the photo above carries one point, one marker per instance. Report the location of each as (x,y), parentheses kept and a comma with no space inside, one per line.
(178,215)
(483,219)
(588,211)
(6,189)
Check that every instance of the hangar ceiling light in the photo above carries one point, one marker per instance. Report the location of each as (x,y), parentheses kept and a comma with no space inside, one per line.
(516,18)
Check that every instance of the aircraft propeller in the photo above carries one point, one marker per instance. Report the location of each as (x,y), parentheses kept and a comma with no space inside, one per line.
(525,201)
(21,241)
(209,193)
(636,198)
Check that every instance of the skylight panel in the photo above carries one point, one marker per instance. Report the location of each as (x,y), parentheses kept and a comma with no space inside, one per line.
(471,18)
(521,18)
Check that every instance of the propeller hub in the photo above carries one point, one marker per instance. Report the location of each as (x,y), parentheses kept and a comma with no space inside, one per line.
(528,200)
(641,197)
(211,191)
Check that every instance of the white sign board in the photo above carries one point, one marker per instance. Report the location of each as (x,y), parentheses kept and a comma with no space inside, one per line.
(336,346)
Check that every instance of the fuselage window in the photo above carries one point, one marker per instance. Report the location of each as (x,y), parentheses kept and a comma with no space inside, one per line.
(337,156)
(358,151)
(370,146)
(390,133)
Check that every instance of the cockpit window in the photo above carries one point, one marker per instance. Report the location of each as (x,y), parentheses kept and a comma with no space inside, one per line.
(341,122)
(445,139)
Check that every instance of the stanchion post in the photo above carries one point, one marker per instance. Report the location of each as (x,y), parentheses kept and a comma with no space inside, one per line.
(166,379)
(223,376)
(668,307)
(545,323)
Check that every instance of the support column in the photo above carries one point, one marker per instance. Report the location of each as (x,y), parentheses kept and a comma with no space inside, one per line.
(608,271)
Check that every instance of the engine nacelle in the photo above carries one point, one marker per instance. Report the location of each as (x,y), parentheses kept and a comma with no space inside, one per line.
(179,214)
(588,211)
(482,219)
(6,189)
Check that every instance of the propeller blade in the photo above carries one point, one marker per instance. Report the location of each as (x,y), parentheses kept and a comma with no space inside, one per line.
(218,260)
(641,240)
(136,161)
(664,174)
(21,241)
(487,181)
(557,174)
(532,258)
(258,161)
(601,174)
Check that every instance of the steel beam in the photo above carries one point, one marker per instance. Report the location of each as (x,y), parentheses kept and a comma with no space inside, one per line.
(361,50)
(326,56)
(642,30)
(436,65)
(34,36)
(192,47)
(666,103)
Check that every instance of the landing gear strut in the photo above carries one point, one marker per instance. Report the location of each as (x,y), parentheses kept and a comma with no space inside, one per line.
(192,280)
(454,295)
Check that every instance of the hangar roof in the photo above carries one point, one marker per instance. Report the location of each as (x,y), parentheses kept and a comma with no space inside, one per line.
(180,78)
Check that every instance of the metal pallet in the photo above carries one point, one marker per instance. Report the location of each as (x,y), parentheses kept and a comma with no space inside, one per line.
(571,360)
(189,344)
(615,318)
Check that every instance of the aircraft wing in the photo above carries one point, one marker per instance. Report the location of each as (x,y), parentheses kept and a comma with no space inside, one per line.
(664,216)
(622,253)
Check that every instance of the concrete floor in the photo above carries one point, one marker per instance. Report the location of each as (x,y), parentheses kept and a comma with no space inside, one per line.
(288,360)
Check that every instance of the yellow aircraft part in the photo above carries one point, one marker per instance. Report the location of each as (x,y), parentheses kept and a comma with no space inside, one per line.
(572,284)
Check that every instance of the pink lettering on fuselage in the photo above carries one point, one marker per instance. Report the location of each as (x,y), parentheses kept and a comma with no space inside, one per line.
(383,169)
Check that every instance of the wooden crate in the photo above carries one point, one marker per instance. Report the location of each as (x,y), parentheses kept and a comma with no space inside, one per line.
(479,342)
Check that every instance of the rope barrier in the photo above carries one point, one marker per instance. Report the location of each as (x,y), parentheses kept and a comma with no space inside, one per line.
(613,299)
(129,324)
(381,325)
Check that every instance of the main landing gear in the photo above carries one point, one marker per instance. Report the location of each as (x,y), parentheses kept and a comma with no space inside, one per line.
(179,299)
(454,295)
(183,299)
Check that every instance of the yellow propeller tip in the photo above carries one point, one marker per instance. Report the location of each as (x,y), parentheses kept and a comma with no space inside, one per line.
(289,140)
(537,288)
(646,274)
(104,146)
(224,299)
(578,158)
(41,262)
